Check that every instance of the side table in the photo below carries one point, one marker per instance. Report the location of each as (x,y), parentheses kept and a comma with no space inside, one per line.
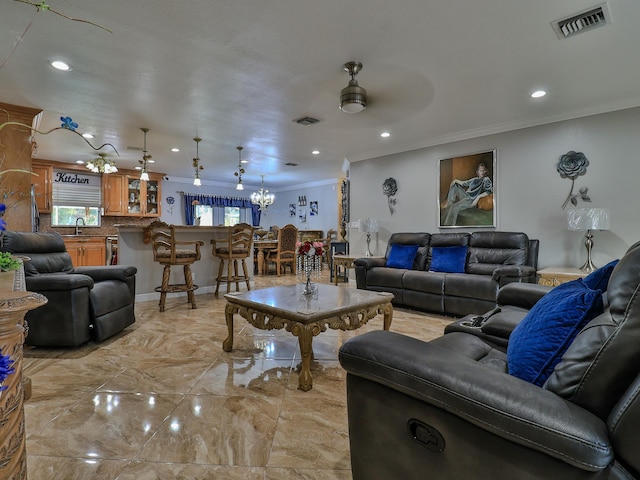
(13,458)
(554,276)
(345,261)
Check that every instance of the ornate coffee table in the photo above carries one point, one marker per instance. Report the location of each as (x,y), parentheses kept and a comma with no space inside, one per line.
(306,316)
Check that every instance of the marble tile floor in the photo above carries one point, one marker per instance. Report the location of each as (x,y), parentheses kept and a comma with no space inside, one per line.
(162,400)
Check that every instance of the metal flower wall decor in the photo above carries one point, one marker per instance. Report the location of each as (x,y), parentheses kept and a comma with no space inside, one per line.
(390,188)
(571,165)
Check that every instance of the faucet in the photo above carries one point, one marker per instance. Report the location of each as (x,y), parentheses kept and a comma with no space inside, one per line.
(78,231)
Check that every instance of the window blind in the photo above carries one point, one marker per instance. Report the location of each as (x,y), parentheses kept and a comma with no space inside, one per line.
(71,189)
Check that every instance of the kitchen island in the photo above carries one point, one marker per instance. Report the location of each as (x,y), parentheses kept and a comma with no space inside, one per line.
(132,250)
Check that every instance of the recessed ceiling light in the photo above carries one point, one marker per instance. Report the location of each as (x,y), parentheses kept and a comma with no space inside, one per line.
(60,65)
(138,168)
(80,162)
(385,134)
(151,161)
(87,135)
(538,94)
(174,149)
(244,161)
(316,152)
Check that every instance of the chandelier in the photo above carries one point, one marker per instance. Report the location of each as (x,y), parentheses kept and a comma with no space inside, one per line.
(196,164)
(144,175)
(102,164)
(262,197)
(240,171)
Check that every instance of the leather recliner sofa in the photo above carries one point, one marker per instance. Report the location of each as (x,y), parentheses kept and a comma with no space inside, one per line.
(493,260)
(84,303)
(450,410)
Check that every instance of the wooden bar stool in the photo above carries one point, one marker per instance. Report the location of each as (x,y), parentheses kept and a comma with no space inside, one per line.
(237,246)
(167,251)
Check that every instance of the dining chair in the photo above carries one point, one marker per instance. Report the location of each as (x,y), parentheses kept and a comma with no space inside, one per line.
(285,253)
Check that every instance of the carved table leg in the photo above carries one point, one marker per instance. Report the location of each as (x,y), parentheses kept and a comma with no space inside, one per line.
(305,334)
(229,310)
(388,316)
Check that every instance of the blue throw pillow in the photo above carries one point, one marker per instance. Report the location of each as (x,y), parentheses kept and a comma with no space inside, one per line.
(448,259)
(401,256)
(599,279)
(538,342)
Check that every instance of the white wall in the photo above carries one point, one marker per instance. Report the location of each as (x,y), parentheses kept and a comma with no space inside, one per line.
(326,193)
(529,191)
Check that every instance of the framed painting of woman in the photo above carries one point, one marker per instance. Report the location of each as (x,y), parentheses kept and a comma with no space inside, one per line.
(467,191)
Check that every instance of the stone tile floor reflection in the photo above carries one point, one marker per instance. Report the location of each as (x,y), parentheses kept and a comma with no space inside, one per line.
(162,400)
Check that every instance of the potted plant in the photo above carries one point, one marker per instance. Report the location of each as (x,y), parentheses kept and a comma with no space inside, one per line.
(8,267)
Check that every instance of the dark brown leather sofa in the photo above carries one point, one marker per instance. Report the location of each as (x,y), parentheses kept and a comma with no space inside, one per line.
(494,259)
(448,409)
(84,303)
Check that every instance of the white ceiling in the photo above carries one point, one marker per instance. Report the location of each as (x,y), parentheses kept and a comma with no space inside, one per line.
(237,72)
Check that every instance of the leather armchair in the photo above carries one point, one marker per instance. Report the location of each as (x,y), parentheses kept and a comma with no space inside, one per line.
(85,303)
(448,409)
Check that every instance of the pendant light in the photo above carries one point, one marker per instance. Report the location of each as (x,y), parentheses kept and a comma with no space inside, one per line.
(196,164)
(144,175)
(262,197)
(240,171)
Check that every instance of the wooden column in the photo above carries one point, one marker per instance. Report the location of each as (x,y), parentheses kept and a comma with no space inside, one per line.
(15,152)
(13,456)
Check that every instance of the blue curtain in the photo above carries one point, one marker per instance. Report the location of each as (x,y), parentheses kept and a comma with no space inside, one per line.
(213,201)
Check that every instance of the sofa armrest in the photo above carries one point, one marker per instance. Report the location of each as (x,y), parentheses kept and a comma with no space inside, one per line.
(50,282)
(524,295)
(488,398)
(514,273)
(369,262)
(108,272)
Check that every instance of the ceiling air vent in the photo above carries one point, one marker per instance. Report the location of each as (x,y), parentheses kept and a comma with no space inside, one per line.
(291,164)
(306,120)
(589,19)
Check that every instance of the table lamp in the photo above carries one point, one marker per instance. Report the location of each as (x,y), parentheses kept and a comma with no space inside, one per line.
(588,219)
(368,226)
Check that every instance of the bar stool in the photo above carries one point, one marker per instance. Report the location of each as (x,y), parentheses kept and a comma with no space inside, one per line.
(237,246)
(167,252)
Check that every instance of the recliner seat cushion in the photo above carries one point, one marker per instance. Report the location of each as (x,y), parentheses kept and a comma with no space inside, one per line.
(538,342)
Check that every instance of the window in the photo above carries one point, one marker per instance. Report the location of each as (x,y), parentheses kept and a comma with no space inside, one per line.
(231,216)
(75,195)
(227,216)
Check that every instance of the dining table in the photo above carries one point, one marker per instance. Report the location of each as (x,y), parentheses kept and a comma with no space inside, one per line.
(262,246)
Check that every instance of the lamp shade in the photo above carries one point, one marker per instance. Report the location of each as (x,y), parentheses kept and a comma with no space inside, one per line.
(588,219)
(368,225)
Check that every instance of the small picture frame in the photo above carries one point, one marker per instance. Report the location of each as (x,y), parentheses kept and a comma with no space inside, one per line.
(292,209)
(313,208)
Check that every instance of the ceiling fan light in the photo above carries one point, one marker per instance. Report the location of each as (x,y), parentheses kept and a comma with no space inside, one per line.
(144,176)
(353,98)
(239,186)
(197,182)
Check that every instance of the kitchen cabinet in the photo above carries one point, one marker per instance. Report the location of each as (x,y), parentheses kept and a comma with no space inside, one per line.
(143,196)
(113,194)
(86,251)
(127,195)
(42,186)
